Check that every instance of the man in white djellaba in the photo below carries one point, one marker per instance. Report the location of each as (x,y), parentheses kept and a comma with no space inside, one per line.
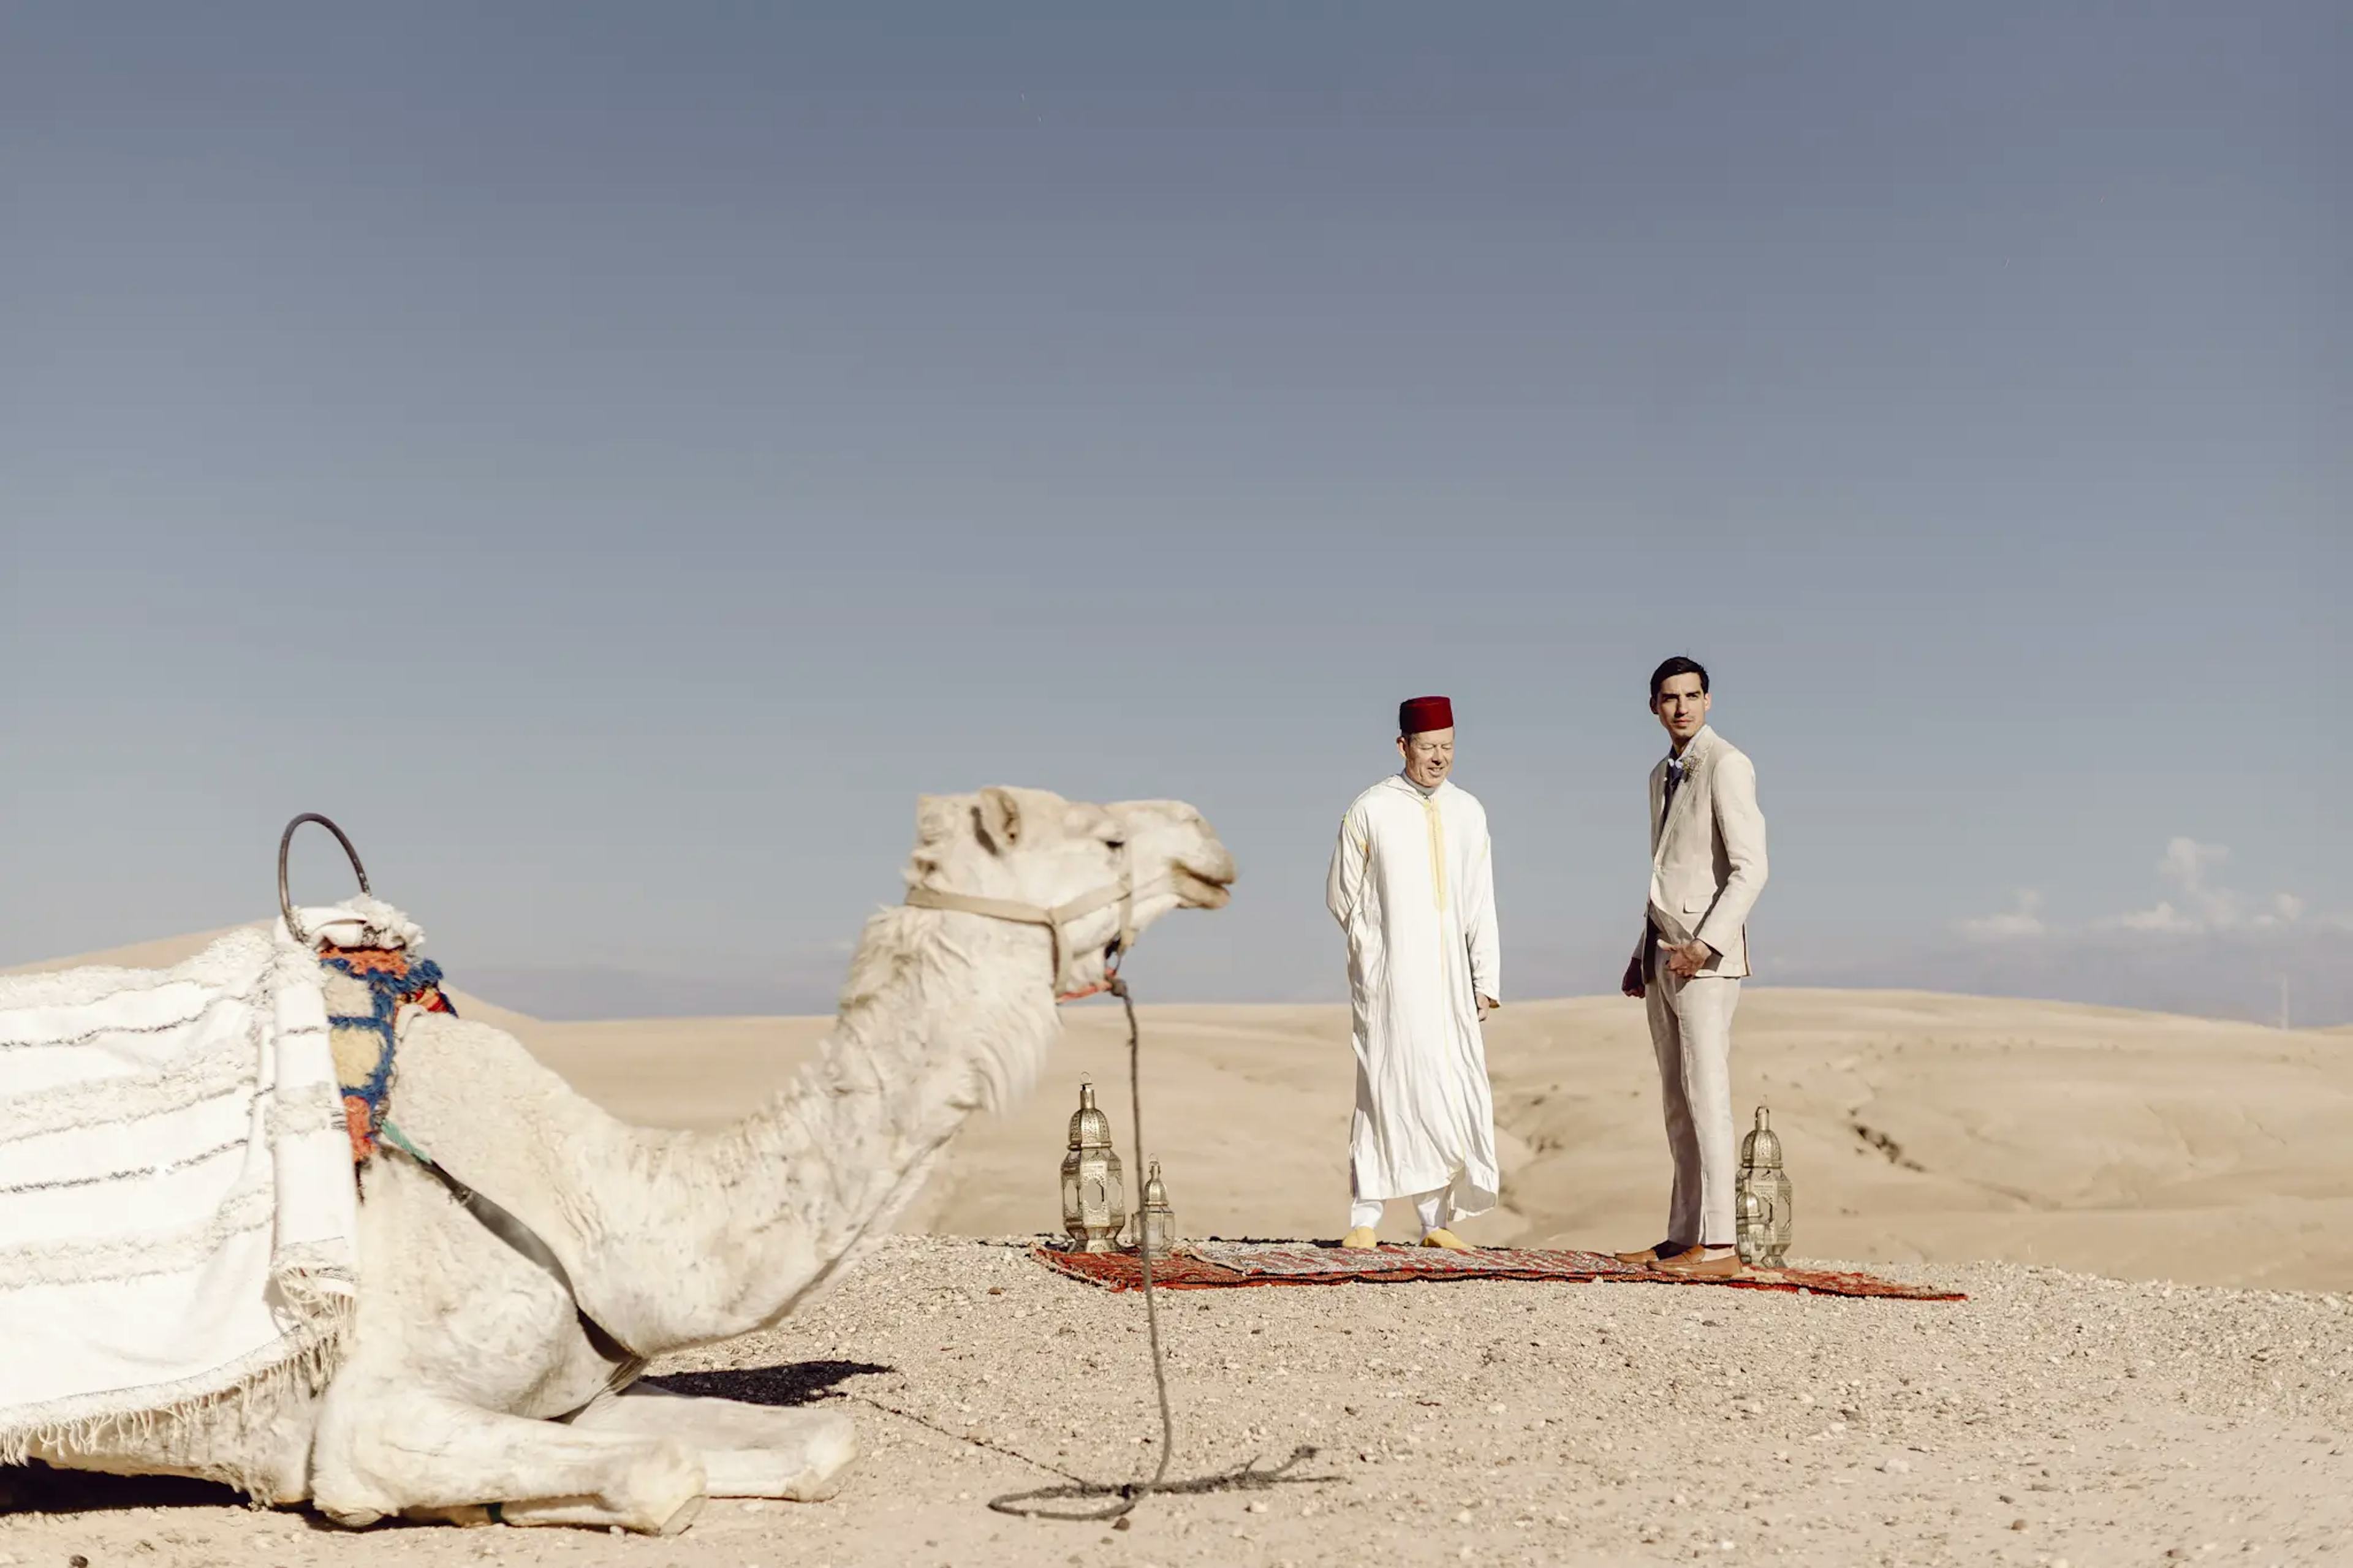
(1412,883)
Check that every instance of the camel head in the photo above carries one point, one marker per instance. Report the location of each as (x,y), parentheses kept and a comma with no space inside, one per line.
(1031,847)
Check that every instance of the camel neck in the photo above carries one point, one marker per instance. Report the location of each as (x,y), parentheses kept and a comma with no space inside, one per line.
(943,1015)
(703,1236)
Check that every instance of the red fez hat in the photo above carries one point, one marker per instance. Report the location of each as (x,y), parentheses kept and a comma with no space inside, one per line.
(1419,715)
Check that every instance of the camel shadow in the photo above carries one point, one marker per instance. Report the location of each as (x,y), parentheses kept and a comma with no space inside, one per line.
(34,1488)
(794,1382)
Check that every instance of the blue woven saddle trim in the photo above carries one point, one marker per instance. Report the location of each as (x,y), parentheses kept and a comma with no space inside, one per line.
(387,992)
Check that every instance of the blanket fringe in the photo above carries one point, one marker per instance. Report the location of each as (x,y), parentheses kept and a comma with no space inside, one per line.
(231,1397)
(225,1433)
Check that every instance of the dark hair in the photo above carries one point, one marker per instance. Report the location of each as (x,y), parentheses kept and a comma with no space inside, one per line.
(1676,665)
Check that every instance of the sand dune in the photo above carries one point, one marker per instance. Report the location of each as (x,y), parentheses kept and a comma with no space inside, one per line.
(1919,1127)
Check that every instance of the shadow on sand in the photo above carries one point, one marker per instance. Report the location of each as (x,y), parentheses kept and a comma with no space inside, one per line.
(795,1383)
(34,1488)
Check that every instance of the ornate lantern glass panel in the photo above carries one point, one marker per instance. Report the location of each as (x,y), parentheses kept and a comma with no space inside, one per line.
(1094,1195)
(1155,1222)
(1752,1231)
(1763,1177)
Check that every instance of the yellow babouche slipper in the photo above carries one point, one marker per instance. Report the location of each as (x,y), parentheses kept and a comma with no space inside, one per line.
(1361,1239)
(1446,1238)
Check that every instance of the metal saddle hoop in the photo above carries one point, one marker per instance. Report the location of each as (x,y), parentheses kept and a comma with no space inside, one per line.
(286,843)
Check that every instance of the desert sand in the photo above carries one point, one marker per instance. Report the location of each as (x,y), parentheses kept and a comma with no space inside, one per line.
(2150,1213)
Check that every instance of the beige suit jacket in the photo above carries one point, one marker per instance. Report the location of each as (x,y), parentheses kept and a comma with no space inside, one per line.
(1708,857)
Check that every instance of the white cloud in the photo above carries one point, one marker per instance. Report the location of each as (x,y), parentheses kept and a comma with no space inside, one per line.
(2160,917)
(2185,864)
(2014,924)
(2185,861)
(2197,905)
(2200,947)
(2203,906)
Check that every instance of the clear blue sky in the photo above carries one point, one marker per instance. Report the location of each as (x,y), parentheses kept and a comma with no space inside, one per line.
(614,457)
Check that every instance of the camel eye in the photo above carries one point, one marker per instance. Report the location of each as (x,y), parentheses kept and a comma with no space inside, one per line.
(1115,843)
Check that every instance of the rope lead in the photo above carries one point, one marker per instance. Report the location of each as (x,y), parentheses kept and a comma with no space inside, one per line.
(1144,1248)
(1125,1496)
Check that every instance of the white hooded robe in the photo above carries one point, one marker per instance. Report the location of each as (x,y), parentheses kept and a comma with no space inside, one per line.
(1412,884)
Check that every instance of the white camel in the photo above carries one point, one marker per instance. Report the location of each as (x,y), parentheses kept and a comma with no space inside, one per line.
(473,1389)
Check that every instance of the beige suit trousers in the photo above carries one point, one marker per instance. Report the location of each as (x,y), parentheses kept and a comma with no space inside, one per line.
(1690,1031)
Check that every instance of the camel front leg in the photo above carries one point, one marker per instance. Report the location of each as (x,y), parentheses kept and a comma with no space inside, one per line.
(427,1456)
(748,1450)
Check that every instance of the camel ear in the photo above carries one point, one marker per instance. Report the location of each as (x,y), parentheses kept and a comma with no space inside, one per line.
(999,819)
(936,817)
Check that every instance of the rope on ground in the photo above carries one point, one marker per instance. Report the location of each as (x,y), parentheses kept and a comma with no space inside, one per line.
(1246,1477)
(1142,1242)
(967,1438)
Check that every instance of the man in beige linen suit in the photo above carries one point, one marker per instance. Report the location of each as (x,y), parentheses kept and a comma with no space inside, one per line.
(1707,866)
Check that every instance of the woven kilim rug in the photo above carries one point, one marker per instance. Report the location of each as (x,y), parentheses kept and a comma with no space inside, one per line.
(1217,1264)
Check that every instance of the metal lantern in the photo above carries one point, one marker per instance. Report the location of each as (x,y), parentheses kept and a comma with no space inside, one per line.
(1762,1179)
(1155,1222)
(1094,1198)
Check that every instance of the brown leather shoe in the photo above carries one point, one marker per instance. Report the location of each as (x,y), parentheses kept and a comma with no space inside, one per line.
(1695,1264)
(1650,1254)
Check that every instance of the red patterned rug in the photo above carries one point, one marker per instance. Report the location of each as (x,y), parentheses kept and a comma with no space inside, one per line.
(1220,1265)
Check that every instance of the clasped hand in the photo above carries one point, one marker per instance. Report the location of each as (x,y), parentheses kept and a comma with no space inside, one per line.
(1683,962)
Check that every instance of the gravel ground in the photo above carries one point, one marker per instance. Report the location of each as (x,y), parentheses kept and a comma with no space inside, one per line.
(2051,1418)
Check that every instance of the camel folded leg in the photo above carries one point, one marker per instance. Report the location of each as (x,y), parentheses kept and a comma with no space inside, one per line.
(748,1450)
(426,1456)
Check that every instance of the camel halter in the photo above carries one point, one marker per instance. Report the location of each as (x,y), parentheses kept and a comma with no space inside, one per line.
(1122,893)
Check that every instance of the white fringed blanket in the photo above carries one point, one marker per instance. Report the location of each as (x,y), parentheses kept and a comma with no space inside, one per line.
(177,1211)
